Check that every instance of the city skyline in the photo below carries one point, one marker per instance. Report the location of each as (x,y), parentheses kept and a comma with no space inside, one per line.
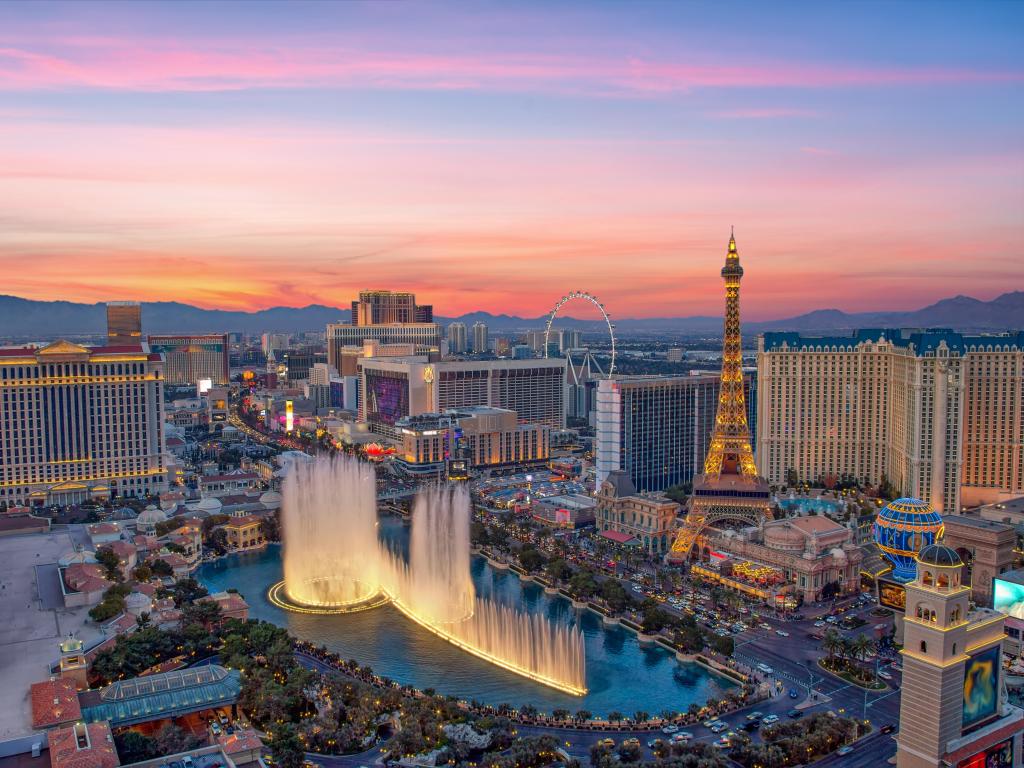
(288,155)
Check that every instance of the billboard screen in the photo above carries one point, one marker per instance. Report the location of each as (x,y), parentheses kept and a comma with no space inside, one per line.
(997,756)
(981,681)
(892,594)
(387,397)
(1008,598)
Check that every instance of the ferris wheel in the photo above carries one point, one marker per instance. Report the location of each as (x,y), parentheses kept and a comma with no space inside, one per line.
(584,296)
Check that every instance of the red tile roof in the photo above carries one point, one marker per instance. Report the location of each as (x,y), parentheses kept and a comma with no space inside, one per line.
(619,538)
(241,522)
(240,741)
(97,752)
(54,701)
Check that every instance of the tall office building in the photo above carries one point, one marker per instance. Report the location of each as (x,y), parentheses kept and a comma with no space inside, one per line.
(298,362)
(457,338)
(390,388)
(937,413)
(384,307)
(657,428)
(952,706)
(569,339)
(479,337)
(124,322)
(274,342)
(80,423)
(190,358)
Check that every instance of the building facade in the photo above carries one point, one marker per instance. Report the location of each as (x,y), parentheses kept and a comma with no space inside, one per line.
(391,388)
(424,337)
(124,322)
(191,358)
(985,547)
(457,344)
(480,435)
(952,708)
(480,338)
(936,413)
(657,428)
(648,518)
(78,423)
(382,307)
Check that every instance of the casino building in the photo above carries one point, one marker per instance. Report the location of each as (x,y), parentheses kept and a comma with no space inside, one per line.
(953,708)
(80,423)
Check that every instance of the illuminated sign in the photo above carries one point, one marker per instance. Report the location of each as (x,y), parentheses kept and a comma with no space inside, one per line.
(981,691)
(1008,598)
(289,416)
(997,756)
(892,595)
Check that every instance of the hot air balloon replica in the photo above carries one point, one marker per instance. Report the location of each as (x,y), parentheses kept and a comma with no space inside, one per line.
(902,529)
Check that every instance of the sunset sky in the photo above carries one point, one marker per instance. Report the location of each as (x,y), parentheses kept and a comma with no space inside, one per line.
(495,156)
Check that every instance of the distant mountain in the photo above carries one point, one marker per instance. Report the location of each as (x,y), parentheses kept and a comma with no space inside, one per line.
(25,318)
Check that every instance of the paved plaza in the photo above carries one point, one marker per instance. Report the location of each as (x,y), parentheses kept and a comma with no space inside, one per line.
(33,621)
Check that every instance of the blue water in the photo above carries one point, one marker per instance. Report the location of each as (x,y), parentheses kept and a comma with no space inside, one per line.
(803,506)
(621,674)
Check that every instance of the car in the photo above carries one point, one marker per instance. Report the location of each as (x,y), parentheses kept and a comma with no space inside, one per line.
(819,624)
(770,720)
(844,750)
(722,743)
(753,725)
(187,761)
(762,667)
(754,716)
(216,729)
(795,714)
(683,736)
(888,728)
(793,694)
(719,727)
(884,675)
(765,626)
(709,723)
(224,719)
(781,633)
(670,728)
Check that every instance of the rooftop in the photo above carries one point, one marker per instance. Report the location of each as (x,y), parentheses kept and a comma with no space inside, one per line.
(83,746)
(164,695)
(53,702)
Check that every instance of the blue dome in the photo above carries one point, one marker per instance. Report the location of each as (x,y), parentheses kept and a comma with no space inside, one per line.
(902,529)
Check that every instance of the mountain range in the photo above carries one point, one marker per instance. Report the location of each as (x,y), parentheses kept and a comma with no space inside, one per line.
(30,319)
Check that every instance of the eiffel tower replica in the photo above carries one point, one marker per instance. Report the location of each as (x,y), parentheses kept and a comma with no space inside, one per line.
(729,488)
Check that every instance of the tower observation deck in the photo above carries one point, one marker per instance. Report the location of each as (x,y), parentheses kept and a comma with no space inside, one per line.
(729,488)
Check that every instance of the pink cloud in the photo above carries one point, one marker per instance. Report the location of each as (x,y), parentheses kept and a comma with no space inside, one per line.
(156,65)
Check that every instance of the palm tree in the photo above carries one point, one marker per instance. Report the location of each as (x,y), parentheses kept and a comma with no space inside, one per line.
(583,714)
(614,716)
(640,716)
(832,644)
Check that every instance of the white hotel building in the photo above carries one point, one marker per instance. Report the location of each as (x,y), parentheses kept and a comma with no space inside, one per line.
(80,423)
(940,414)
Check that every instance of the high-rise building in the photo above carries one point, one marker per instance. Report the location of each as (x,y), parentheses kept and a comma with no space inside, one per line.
(730,487)
(391,388)
(457,338)
(386,307)
(80,423)
(424,337)
(298,362)
(479,337)
(569,339)
(274,342)
(952,707)
(938,414)
(124,322)
(191,358)
(657,428)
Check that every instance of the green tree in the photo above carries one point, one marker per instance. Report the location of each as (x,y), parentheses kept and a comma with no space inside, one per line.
(286,747)
(558,570)
(111,563)
(832,644)
(161,568)
(142,573)
(172,739)
(530,559)
(134,747)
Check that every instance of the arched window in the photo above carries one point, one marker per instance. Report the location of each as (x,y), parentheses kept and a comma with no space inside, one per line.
(943,582)
(926,578)
(924,647)
(932,617)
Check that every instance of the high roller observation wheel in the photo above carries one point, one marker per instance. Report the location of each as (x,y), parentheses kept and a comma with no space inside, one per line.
(597,303)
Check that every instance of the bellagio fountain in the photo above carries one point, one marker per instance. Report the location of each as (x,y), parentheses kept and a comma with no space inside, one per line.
(335,563)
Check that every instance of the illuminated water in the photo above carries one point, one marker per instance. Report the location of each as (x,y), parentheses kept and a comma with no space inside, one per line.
(332,557)
(621,674)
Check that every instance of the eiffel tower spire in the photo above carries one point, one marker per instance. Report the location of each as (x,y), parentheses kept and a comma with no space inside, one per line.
(729,488)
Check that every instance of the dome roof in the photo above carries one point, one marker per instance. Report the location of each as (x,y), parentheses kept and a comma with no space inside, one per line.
(209,504)
(271,499)
(151,516)
(137,599)
(81,556)
(939,554)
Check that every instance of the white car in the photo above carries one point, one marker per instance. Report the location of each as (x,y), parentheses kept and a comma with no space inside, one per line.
(670,729)
(819,624)
(770,720)
(764,668)
(884,675)
(781,633)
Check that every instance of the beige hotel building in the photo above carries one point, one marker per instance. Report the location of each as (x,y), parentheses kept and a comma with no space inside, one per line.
(80,423)
(940,414)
